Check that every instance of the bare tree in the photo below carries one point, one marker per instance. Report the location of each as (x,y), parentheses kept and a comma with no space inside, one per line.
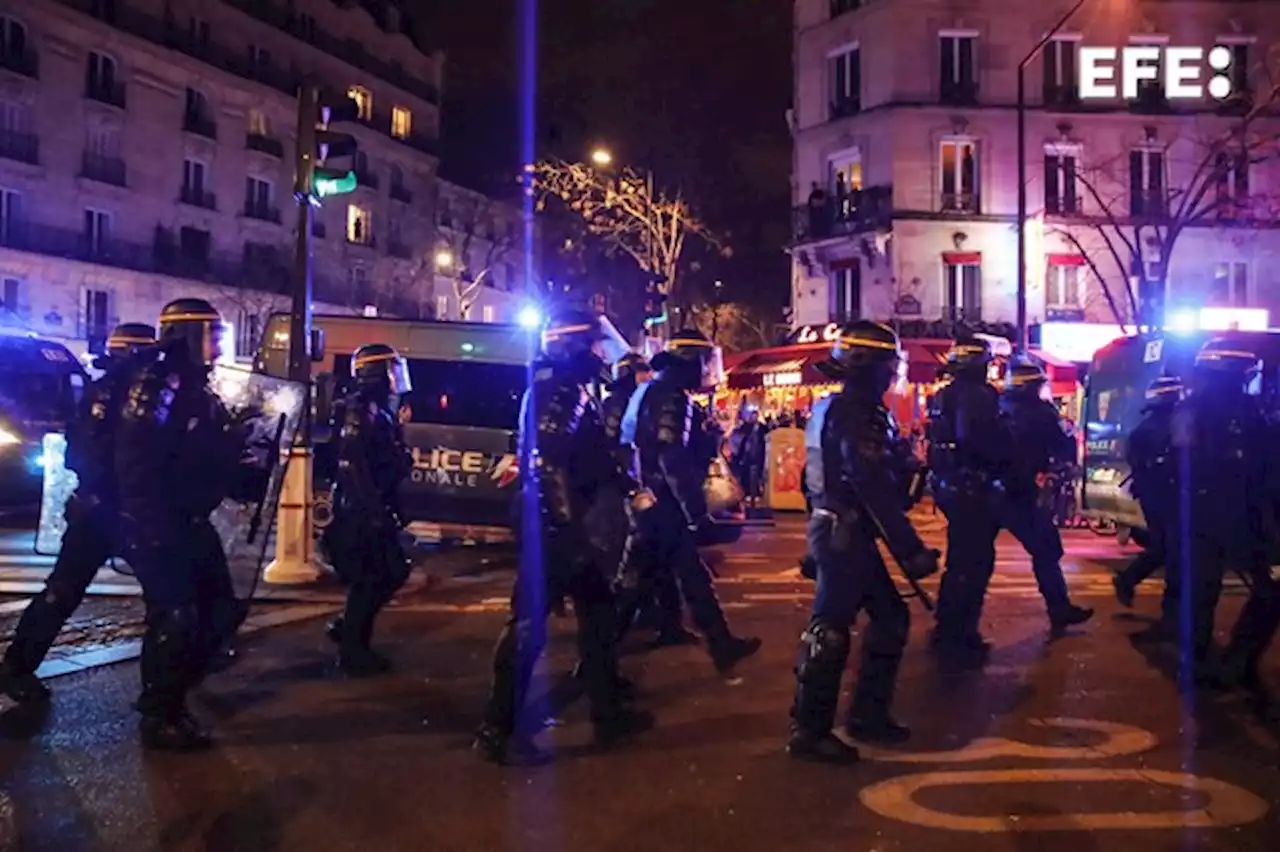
(466,253)
(1134,235)
(624,209)
(734,326)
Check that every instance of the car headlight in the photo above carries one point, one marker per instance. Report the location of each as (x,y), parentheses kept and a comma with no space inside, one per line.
(7,438)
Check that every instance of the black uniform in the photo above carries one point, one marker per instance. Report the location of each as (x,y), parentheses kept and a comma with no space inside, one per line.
(1040,446)
(567,460)
(859,488)
(969,447)
(177,454)
(1226,487)
(659,421)
(364,538)
(1153,482)
(90,537)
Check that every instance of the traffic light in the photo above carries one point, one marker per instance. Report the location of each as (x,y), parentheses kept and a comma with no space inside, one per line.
(656,290)
(325,179)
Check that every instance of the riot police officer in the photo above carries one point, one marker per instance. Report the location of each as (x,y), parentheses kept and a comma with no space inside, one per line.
(364,537)
(177,454)
(1227,477)
(1041,448)
(659,422)
(90,537)
(567,460)
(1151,469)
(968,451)
(858,487)
(643,585)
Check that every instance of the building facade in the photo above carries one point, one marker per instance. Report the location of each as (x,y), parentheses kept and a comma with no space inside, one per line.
(147,152)
(480,273)
(905,173)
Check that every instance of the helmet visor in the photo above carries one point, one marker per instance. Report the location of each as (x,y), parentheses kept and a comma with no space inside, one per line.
(898,385)
(219,343)
(398,376)
(610,346)
(713,369)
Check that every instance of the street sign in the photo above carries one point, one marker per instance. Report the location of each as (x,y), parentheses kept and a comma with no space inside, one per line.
(325,186)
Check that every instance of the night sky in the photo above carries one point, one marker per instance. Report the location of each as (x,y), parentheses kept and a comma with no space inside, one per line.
(697,88)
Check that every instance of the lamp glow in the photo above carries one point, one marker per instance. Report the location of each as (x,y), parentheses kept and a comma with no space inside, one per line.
(529,317)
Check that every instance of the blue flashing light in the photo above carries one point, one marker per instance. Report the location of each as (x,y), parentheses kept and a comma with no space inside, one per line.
(468,347)
(530,318)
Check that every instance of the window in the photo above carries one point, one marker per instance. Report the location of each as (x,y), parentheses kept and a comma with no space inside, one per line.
(1061,82)
(96,308)
(248,333)
(1239,70)
(257,198)
(845,72)
(193,244)
(359,225)
(466,393)
(1062,285)
(196,106)
(959,167)
(10,214)
(97,230)
(13,38)
(259,58)
(364,102)
(508,276)
(839,7)
(846,293)
(1060,196)
(193,177)
(9,294)
(307,27)
(1146,182)
(1230,285)
(962,298)
(198,28)
(258,123)
(15,118)
(958,82)
(100,75)
(1232,172)
(442,307)
(1151,92)
(401,122)
(487,313)
(845,180)
(103,142)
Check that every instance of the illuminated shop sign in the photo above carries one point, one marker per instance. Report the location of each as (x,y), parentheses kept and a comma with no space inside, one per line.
(782,380)
(818,333)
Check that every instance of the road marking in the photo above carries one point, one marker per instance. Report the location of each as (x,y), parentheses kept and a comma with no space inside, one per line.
(1228,804)
(1122,740)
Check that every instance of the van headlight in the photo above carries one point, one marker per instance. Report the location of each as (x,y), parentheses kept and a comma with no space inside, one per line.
(7,438)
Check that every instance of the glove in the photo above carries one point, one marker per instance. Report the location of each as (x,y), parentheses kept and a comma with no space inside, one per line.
(923,564)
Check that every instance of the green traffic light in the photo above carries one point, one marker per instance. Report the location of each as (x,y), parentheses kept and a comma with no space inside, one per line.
(325,186)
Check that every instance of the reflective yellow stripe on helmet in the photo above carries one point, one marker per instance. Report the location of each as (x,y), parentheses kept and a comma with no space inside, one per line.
(690,344)
(364,360)
(190,318)
(868,343)
(127,341)
(553,333)
(1219,354)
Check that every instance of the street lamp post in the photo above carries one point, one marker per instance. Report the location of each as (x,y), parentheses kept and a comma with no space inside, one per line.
(603,158)
(1022,171)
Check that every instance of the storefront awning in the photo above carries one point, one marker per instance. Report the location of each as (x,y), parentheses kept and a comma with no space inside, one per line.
(783,367)
(1063,375)
(924,359)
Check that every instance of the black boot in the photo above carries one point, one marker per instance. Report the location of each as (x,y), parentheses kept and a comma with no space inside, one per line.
(672,636)
(821,748)
(22,687)
(729,650)
(878,728)
(1069,615)
(508,749)
(175,731)
(621,726)
(1124,591)
(362,661)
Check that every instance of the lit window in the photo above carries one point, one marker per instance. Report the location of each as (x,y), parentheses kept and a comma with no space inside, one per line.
(487,312)
(401,122)
(258,124)
(364,102)
(359,225)
(442,307)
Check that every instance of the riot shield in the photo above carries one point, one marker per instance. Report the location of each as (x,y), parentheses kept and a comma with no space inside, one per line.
(270,411)
(59,483)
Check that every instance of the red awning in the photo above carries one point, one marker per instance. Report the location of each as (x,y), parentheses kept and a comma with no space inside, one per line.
(1063,375)
(780,367)
(924,358)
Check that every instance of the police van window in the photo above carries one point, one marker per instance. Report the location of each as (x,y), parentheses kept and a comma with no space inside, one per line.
(465,393)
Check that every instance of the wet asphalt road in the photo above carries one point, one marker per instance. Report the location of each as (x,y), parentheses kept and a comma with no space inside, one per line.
(1080,744)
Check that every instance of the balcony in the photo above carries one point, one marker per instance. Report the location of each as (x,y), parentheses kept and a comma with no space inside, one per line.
(106,92)
(25,62)
(200,125)
(844,108)
(967,203)
(268,145)
(865,210)
(1063,97)
(103,169)
(261,212)
(1147,205)
(196,196)
(958,93)
(399,192)
(20,147)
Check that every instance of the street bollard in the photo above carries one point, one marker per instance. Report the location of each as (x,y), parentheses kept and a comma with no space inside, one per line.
(296,561)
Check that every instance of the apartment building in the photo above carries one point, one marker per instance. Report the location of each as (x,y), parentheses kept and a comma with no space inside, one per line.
(147,152)
(479,257)
(905,163)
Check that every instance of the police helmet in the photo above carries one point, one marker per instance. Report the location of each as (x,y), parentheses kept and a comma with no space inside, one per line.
(584,339)
(969,355)
(1226,361)
(128,337)
(866,347)
(198,325)
(374,364)
(690,356)
(1165,389)
(630,367)
(1024,374)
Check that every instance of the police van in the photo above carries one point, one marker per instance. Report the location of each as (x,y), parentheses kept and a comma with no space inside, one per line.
(460,419)
(40,385)
(1115,395)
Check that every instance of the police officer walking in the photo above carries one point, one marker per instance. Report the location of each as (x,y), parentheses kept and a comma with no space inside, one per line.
(1041,447)
(858,486)
(659,422)
(364,538)
(177,454)
(1225,520)
(566,460)
(968,451)
(1153,482)
(91,513)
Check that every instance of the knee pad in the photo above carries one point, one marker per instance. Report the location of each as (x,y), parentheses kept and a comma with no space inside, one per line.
(824,648)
